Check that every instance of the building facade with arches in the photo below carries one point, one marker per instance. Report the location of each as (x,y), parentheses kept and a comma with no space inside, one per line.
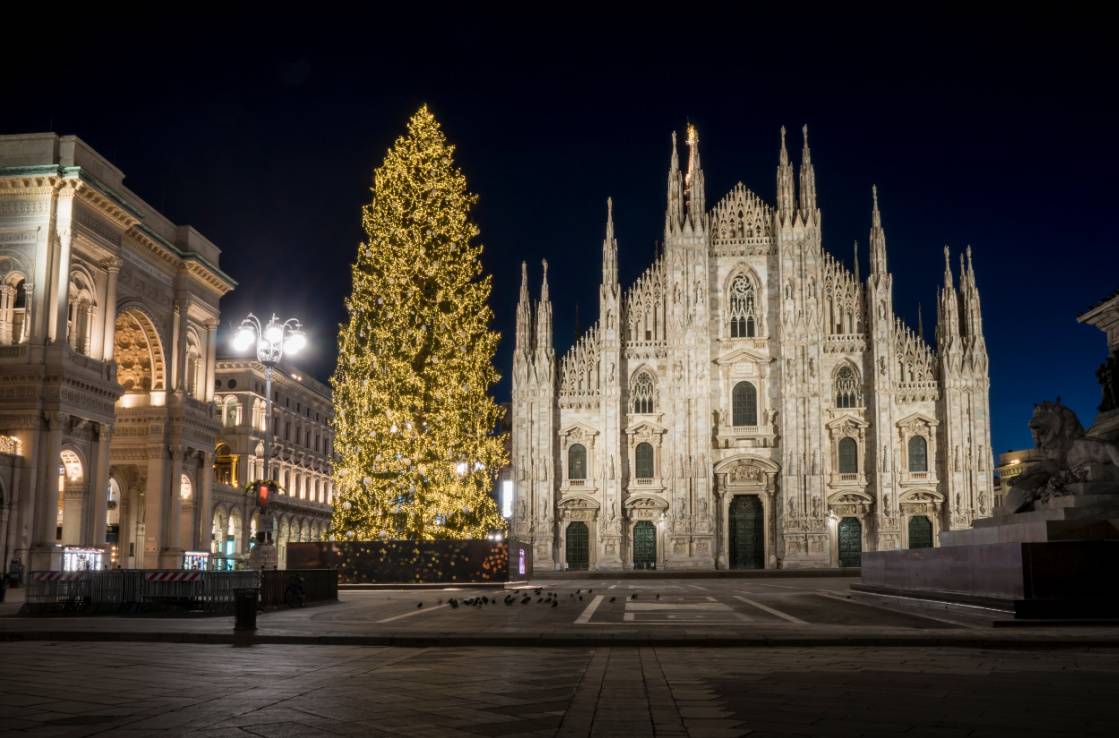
(749,401)
(302,447)
(108,328)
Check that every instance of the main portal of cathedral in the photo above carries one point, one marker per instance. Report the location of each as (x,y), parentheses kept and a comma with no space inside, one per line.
(749,402)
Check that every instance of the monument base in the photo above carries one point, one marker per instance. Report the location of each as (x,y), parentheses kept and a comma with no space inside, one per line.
(1050,579)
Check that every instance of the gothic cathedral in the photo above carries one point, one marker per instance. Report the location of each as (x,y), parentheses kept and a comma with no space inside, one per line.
(748,402)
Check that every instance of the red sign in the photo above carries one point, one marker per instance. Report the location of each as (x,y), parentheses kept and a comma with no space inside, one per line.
(263,491)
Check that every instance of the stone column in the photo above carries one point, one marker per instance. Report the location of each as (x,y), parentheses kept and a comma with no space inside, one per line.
(44,552)
(211,359)
(148,548)
(177,337)
(205,502)
(171,551)
(61,304)
(94,533)
(28,313)
(39,303)
(7,300)
(108,333)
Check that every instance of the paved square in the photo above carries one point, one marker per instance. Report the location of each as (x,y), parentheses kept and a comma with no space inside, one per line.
(133,689)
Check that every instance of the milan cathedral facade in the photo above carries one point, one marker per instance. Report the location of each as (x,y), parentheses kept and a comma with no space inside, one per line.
(749,402)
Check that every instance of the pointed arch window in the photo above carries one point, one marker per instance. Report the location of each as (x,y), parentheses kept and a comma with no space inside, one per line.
(848,456)
(643,460)
(643,393)
(918,454)
(847,391)
(577,462)
(744,404)
(743,308)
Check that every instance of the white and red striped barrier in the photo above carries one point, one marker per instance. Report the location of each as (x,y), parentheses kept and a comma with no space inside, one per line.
(57,576)
(173,576)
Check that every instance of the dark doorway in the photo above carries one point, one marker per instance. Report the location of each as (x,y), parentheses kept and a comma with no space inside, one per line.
(850,542)
(747,533)
(578,546)
(920,532)
(644,546)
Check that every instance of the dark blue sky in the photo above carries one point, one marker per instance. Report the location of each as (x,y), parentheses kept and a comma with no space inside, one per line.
(262,132)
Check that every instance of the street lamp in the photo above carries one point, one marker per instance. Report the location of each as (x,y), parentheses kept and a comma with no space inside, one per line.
(272,341)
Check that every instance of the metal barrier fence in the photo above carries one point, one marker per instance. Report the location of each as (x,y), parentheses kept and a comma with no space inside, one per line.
(134,590)
(295,587)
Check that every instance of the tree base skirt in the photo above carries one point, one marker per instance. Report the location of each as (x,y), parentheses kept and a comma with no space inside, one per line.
(385,562)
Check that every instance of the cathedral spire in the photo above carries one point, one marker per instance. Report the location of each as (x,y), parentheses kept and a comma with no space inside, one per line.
(877,238)
(856,249)
(609,247)
(920,323)
(807,181)
(674,215)
(694,181)
(948,316)
(785,191)
(524,317)
(969,294)
(544,318)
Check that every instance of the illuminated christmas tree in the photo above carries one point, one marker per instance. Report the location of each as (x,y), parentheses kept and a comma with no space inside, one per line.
(417,455)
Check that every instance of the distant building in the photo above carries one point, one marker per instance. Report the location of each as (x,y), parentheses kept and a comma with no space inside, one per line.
(1011,464)
(302,442)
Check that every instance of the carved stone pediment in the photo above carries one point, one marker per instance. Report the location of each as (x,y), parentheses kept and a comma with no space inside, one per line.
(847,424)
(916,422)
(646,502)
(579,502)
(579,433)
(746,472)
(645,428)
(742,355)
(921,500)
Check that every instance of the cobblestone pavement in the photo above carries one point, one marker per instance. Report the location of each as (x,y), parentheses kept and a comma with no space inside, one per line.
(81,689)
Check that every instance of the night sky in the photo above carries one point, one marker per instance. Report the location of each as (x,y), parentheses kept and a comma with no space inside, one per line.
(262,130)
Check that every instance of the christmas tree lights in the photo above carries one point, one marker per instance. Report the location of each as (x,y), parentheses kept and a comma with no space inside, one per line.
(414,421)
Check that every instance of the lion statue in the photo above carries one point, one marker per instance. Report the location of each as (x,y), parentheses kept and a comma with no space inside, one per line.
(1068,455)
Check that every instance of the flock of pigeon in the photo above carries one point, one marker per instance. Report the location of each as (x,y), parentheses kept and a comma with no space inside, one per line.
(551,599)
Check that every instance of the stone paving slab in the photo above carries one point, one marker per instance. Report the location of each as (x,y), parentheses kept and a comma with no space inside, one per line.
(75,689)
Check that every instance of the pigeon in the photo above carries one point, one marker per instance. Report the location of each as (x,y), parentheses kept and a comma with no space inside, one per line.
(580,598)
(454,605)
(658,595)
(555,603)
(635,595)
(419,605)
(538,590)
(612,599)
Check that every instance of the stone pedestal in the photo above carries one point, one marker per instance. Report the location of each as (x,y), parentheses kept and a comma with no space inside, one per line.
(263,556)
(1060,560)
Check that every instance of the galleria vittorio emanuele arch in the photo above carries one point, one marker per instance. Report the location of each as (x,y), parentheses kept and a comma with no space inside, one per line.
(108,320)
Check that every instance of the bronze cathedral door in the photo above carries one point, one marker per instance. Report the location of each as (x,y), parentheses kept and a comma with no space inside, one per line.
(747,533)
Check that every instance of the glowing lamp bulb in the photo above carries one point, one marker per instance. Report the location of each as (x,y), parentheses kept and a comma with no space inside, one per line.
(274,333)
(295,342)
(244,338)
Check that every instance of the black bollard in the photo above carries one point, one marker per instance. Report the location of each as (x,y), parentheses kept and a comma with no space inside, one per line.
(244,608)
